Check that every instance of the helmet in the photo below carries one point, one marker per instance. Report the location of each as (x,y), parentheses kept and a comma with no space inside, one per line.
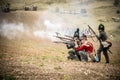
(101,27)
(77,29)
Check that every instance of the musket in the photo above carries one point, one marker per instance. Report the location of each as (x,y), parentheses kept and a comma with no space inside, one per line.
(69,36)
(58,35)
(91,35)
(64,38)
(93,31)
(60,42)
(69,44)
(97,37)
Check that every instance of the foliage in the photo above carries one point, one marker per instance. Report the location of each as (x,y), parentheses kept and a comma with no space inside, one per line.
(7,77)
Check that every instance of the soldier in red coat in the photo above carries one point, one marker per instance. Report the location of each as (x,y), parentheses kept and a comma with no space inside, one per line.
(86,48)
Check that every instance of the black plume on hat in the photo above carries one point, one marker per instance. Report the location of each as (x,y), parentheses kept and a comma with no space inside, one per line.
(101,27)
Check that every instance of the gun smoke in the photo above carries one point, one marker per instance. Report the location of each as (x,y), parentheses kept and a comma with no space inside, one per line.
(52,23)
(11,30)
(14,30)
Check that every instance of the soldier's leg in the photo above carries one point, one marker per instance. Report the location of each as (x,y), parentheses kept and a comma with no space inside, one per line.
(99,53)
(78,55)
(83,55)
(106,55)
(71,54)
(86,56)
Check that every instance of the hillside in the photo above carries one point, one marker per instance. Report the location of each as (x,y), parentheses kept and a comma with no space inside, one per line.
(27,51)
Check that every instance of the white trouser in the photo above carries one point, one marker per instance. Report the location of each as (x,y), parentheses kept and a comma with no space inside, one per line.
(83,55)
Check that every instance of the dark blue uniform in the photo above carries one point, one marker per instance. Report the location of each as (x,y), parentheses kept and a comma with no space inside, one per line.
(76,34)
(102,37)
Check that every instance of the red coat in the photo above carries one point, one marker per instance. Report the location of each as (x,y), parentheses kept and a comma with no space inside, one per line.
(88,47)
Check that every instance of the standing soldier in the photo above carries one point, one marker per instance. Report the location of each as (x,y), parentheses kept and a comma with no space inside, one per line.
(102,38)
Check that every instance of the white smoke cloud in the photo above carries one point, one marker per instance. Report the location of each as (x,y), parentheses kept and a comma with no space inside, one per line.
(51,28)
(48,24)
(11,30)
(52,23)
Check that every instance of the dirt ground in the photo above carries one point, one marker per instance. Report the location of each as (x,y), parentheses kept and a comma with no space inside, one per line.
(27,51)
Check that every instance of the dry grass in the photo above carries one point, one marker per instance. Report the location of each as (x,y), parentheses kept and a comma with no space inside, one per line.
(32,58)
